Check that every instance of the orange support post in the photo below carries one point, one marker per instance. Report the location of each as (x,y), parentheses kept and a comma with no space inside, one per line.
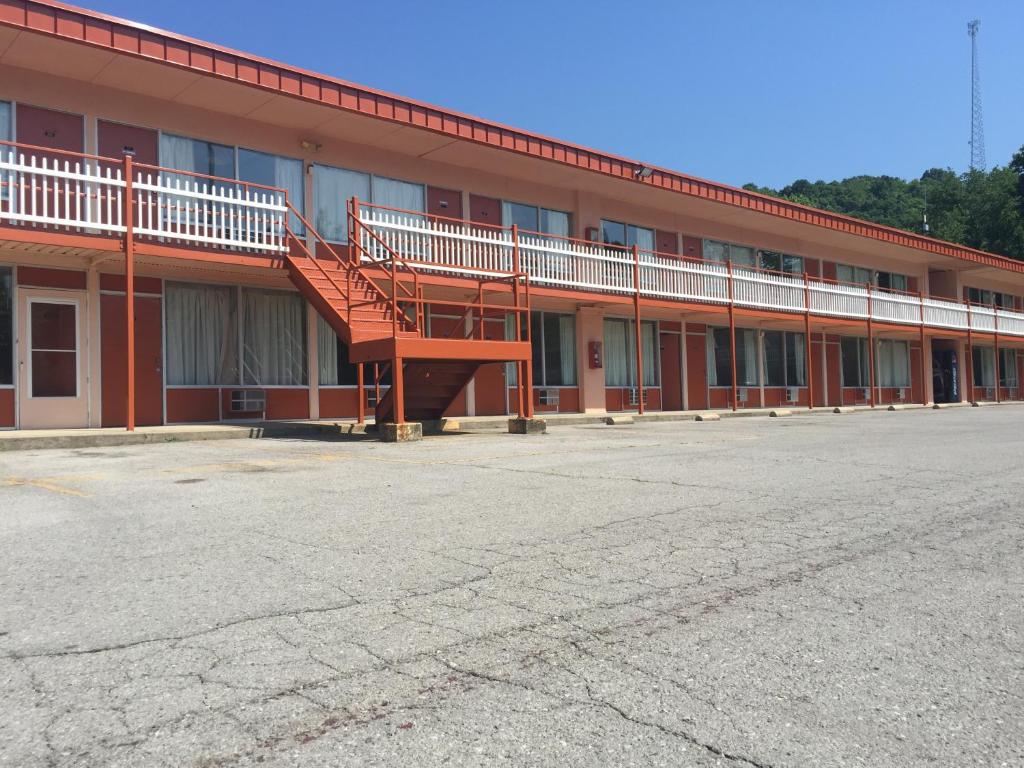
(129,287)
(970,355)
(398,390)
(361,393)
(517,317)
(995,355)
(924,370)
(732,337)
(528,364)
(376,382)
(638,331)
(871,350)
(807,337)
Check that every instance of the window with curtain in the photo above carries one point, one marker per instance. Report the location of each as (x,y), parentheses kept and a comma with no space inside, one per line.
(847,274)
(781,262)
(893,363)
(196,156)
(1003,300)
(892,281)
(620,352)
(979,296)
(6,326)
(1008,374)
(785,359)
(332,358)
(275,171)
(202,334)
(554,349)
(627,235)
(393,193)
(719,353)
(274,338)
(855,363)
(984,367)
(739,255)
(332,189)
(6,132)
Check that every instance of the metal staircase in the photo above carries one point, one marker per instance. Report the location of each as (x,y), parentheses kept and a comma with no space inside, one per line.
(373,298)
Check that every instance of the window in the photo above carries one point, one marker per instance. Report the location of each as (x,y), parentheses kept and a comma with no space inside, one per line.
(785,359)
(984,367)
(781,262)
(273,171)
(274,338)
(202,334)
(988,298)
(554,349)
(893,363)
(6,134)
(719,353)
(1008,368)
(224,336)
(627,235)
(620,353)
(195,156)
(533,219)
(739,255)
(6,326)
(892,281)
(332,356)
(334,187)
(847,274)
(855,362)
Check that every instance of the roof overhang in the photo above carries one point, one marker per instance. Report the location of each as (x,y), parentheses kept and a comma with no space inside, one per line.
(65,41)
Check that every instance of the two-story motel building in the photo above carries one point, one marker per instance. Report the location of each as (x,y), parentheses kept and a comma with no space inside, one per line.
(276,225)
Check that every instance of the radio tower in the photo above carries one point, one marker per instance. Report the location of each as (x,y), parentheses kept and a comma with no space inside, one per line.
(977,124)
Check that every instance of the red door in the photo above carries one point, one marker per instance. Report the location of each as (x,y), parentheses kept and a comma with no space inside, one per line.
(117,140)
(148,360)
(54,130)
(484,210)
(444,202)
(666,242)
(671,373)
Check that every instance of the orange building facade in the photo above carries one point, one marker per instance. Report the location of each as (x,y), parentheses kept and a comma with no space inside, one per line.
(292,246)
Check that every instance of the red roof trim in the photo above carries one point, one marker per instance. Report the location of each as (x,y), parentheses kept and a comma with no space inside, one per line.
(140,40)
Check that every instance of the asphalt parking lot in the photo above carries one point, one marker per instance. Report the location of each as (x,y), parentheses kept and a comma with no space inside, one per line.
(813,591)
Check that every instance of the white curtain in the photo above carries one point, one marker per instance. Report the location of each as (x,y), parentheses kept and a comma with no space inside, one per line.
(326,353)
(617,366)
(715,251)
(555,223)
(332,189)
(649,334)
(643,238)
(178,153)
(567,342)
(5,121)
(798,343)
(742,256)
(749,376)
(399,194)
(202,335)
(712,360)
(274,338)
(274,171)
(894,363)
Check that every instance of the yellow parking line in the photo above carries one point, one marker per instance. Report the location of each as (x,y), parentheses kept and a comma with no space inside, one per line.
(52,484)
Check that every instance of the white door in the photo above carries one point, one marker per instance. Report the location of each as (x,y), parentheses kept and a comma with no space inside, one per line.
(52,383)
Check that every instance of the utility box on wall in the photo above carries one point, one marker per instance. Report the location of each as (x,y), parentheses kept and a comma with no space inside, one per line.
(594,354)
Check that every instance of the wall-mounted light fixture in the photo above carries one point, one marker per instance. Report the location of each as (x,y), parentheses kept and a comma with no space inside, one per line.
(311,146)
(643,172)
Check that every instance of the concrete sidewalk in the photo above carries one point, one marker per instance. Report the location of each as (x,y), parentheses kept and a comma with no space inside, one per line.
(38,439)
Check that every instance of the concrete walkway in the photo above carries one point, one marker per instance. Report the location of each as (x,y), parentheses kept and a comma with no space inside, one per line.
(36,439)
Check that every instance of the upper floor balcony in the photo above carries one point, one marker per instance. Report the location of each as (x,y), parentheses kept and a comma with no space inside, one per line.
(70,200)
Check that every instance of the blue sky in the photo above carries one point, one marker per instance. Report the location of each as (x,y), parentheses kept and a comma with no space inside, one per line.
(733,90)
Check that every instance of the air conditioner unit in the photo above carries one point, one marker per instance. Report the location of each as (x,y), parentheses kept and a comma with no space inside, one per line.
(741,395)
(792,394)
(634,397)
(990,393)
(248,401)
(548,397)
(865,394)
(902,394)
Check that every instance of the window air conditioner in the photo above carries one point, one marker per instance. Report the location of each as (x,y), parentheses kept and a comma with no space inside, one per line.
(865,394)
(248,401)
(741,395)
(548,397)
(634,396)
(792,394)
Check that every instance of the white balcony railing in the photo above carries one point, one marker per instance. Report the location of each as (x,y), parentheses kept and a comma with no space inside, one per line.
(449,247)
(62,192)
(82,194)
